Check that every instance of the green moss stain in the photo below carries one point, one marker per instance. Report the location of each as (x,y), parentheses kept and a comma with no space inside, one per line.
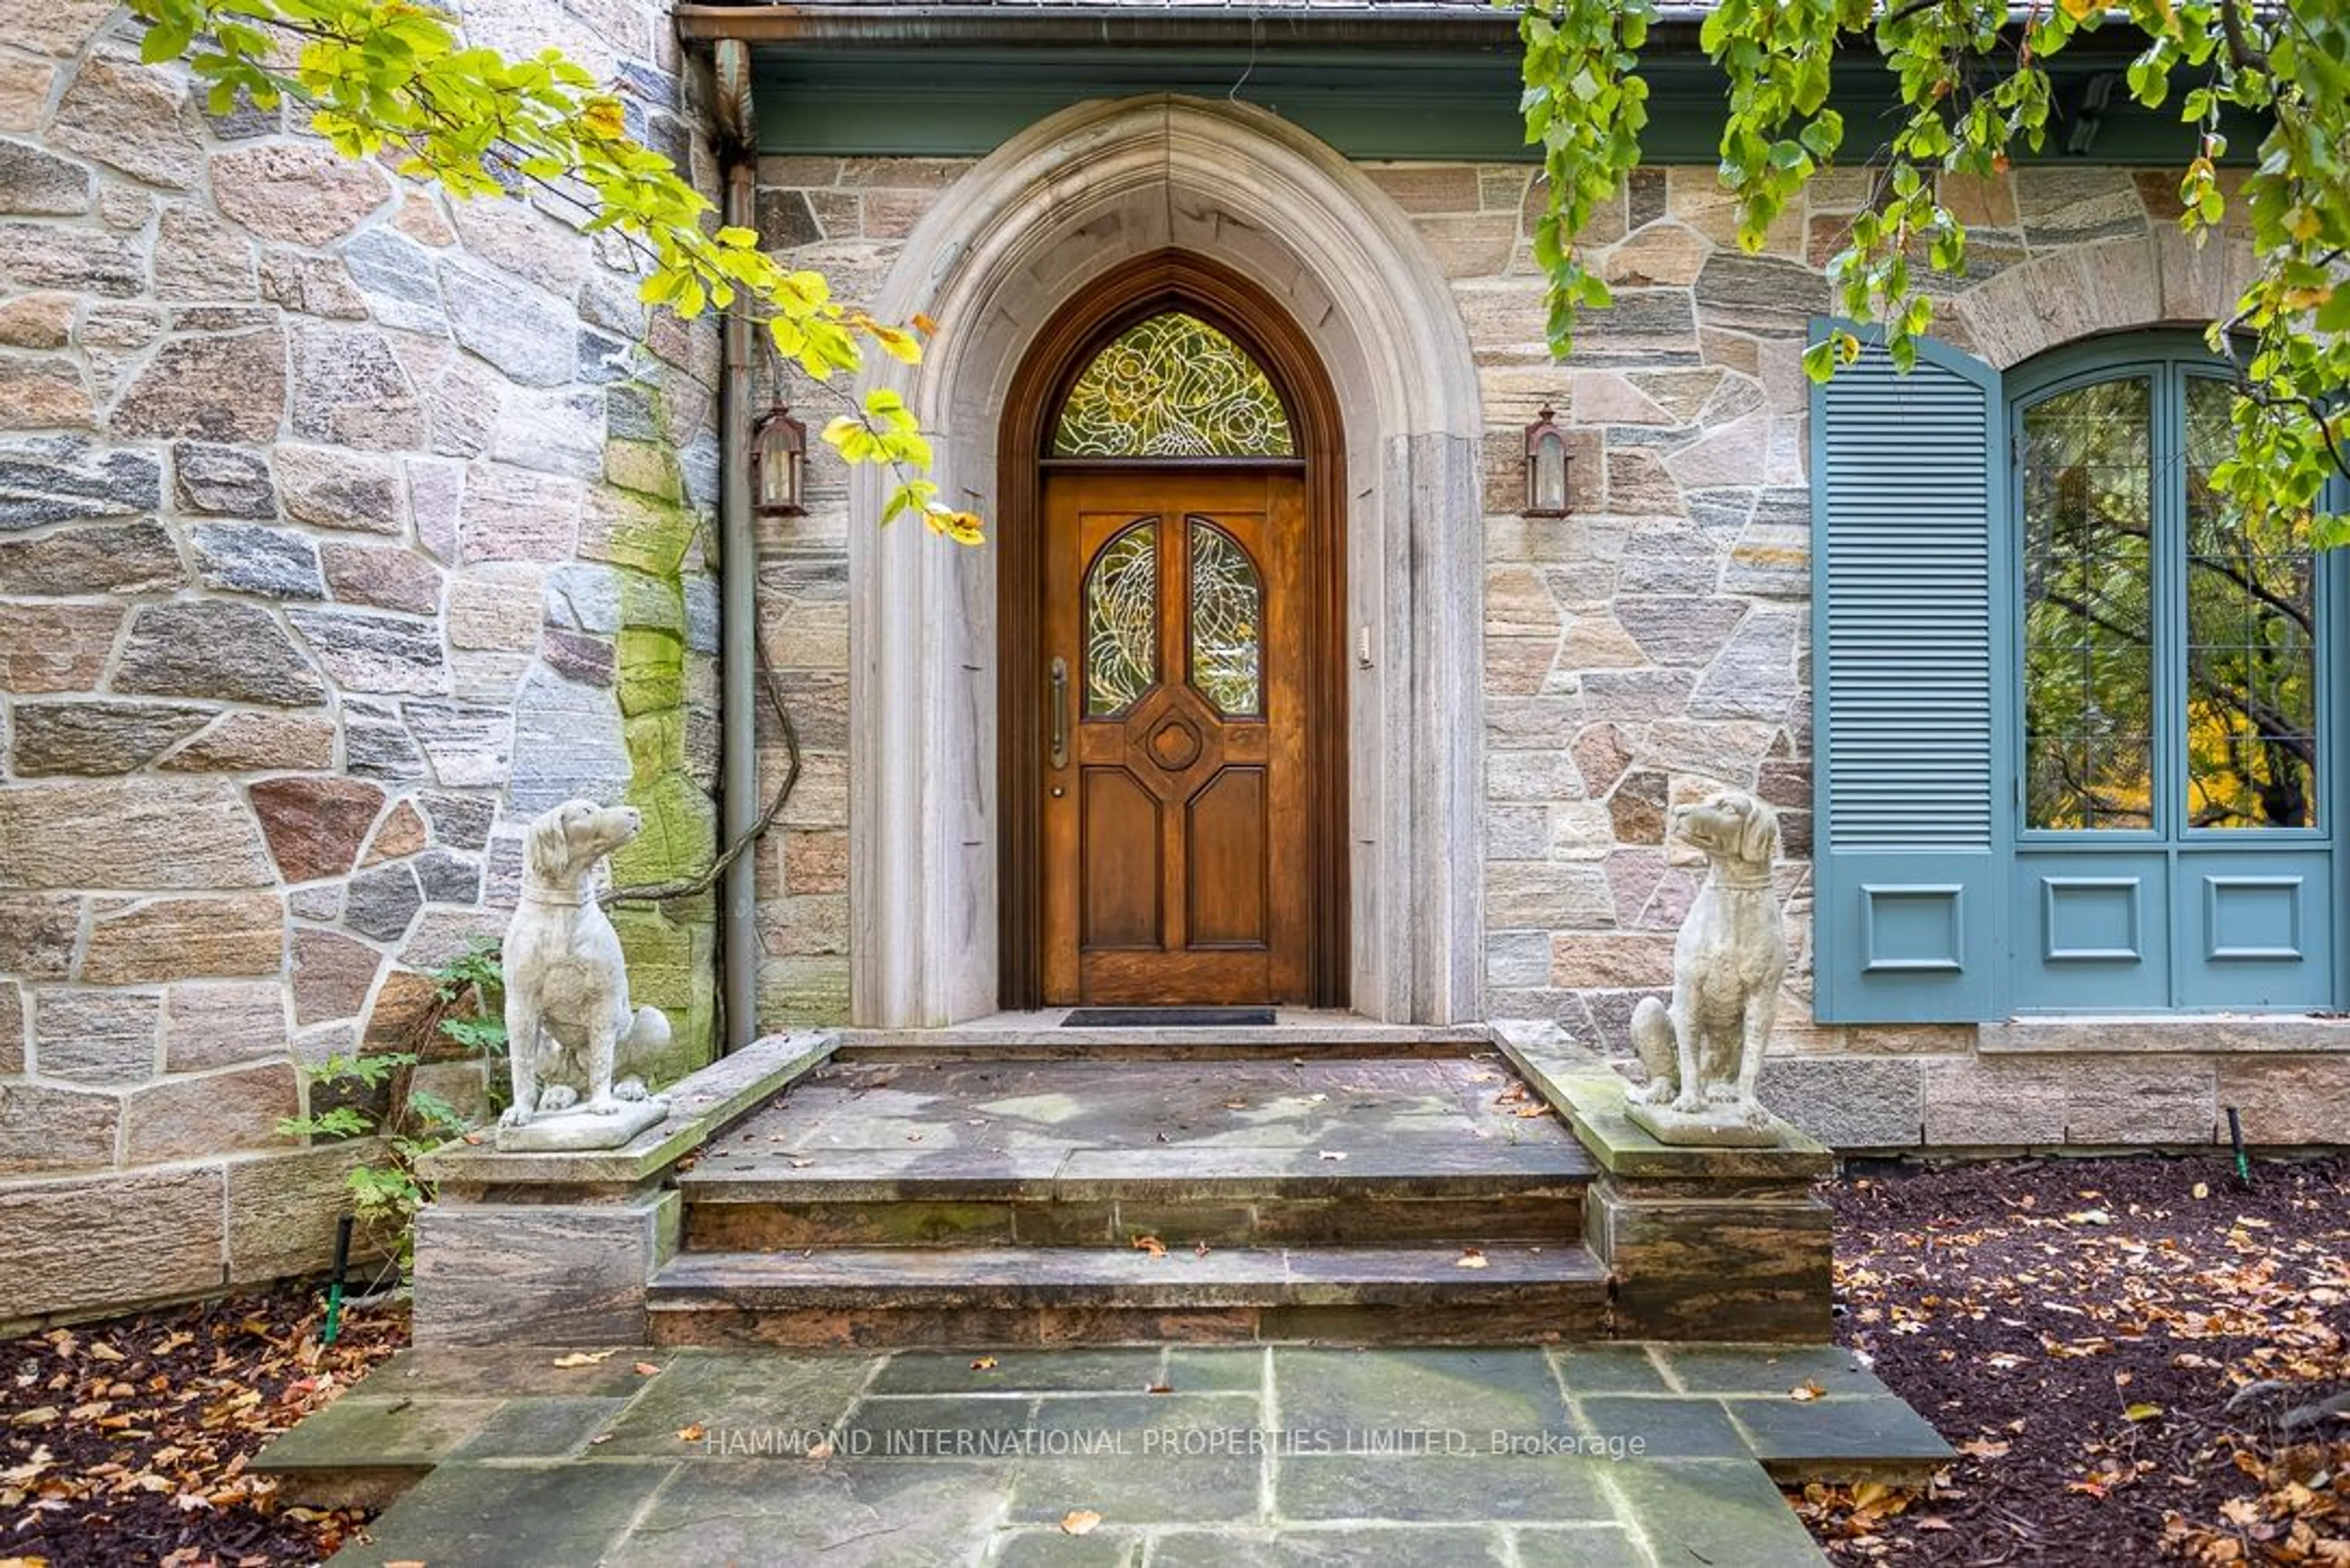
(672,948)
(646,467)
(652,673)
(673,966)
(680,835)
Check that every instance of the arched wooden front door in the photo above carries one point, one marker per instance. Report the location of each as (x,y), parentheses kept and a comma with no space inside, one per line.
(1178,619)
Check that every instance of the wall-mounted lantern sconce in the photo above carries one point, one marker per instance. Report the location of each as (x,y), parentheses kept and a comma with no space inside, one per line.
(778,457)
(1545,467)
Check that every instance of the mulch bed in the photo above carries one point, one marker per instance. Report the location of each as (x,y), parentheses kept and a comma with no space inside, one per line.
(2139,1359)
(126,1441)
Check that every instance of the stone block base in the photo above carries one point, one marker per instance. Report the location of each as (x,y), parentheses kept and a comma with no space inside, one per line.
(1701,1260)
(1699,1243)
(546,1273)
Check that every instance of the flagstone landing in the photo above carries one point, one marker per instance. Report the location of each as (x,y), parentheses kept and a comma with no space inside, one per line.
(1613,1456)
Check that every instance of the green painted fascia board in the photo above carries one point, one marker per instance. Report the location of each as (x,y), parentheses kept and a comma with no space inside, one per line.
(964,102)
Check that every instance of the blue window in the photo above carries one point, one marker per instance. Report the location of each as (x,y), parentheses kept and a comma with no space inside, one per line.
(2080,726)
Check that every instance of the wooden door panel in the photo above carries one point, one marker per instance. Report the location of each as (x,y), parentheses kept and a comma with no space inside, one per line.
(1227,837)
(1176,833)
(1120,861)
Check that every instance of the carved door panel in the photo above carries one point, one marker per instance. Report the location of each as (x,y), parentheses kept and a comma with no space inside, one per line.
(1176,832)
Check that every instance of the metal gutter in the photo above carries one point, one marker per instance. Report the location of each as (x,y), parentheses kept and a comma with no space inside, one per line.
(739,803)
(1367,25)
(1068,26)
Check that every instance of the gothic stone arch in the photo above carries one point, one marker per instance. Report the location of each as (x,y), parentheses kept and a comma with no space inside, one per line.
(1031,226)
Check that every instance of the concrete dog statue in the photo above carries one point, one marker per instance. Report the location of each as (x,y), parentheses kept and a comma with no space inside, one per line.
(1704,1052)
(568,1013)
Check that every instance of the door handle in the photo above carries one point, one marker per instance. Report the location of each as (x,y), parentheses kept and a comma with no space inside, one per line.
(1060,679)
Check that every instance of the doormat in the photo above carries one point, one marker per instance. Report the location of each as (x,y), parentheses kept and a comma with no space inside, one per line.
(1168,1018)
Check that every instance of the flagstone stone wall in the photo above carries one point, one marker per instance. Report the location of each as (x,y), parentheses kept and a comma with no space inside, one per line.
(1648,649)
(343,528)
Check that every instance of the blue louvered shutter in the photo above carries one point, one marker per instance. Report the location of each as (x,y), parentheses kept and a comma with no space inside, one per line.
(1910,501)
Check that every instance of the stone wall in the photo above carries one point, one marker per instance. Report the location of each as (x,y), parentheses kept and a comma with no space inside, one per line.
(343,528)
(1654,647)
(1651,647)
(848,219)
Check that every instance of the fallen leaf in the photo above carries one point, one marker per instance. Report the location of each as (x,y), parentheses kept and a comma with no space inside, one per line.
(1199,1248)
(1470,1258)
(1080,1522)
(1150,1244)
(1235,1105)
(692,1434)
(820,1450)
(2203,1189)
(1806,1391)
(585,1358)
(599,1439)
(647,1369)
(2142,1412)
(1154,1386)
(984,1363)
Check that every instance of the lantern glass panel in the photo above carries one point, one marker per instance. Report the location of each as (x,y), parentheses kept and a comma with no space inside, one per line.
(779,452)
(1546,473)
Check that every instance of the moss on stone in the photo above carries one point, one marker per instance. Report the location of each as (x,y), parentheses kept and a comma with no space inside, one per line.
(672,966)
(656,743)
(650,533)
(651,675)
(680,831)
(658,603)
(647,468)
(637,531)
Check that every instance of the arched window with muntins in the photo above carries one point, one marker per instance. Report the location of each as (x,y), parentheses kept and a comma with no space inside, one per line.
(1172,386)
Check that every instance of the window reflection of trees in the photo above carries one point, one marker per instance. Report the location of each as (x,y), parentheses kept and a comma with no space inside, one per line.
(2088,643)
(2091,614)
(2252,670)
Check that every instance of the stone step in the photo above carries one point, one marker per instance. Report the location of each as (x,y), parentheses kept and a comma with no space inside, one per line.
(955,1295)
(757,1198)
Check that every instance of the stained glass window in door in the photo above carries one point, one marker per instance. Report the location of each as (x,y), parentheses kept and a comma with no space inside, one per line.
(1121,610)
(1227,622)
(1172,386)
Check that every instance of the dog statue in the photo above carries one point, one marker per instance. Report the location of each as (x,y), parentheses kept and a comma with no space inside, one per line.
(1704,1052)
(568,1013)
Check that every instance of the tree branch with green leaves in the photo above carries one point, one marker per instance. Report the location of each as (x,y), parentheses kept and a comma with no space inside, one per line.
(395,80)
(1975,89)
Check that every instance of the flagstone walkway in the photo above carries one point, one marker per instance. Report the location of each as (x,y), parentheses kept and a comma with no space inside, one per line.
(1609,1455)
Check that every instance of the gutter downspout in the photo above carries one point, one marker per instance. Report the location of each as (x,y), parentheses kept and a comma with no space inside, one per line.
(738,609)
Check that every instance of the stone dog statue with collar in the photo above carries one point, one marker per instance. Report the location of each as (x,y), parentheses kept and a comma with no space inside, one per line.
(1704,1052)
(566,985)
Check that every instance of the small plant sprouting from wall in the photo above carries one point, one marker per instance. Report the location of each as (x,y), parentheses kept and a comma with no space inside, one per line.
(375,1095)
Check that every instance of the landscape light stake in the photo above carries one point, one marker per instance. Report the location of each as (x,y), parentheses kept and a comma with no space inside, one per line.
(334,1285)
(2236,1138)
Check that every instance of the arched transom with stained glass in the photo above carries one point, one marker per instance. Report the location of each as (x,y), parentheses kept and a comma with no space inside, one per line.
(1172,386)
